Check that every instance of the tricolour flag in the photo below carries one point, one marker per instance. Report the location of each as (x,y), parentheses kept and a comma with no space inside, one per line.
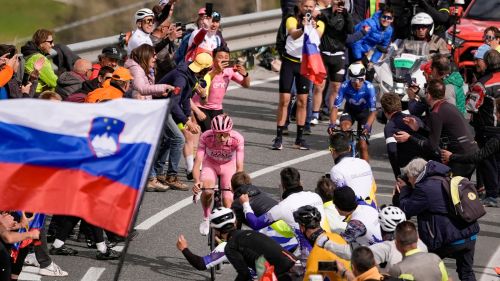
(84,160)
(312,66)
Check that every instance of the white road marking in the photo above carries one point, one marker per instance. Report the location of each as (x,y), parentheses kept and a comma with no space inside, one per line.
(93,274)
(153,220)
(489,274)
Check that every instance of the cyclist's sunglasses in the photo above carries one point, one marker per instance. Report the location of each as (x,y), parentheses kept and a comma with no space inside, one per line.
(357,80)
(387,18)
(148,21)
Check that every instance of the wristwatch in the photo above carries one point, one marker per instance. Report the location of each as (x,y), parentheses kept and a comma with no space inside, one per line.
(245,76)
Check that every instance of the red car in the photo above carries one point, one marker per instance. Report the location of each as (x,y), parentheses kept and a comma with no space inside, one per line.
(469,35)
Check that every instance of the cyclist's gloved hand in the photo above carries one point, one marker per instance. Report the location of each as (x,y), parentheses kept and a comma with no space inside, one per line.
(331,128)
(367,129)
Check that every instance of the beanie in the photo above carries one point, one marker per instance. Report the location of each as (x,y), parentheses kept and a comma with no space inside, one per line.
(344,199)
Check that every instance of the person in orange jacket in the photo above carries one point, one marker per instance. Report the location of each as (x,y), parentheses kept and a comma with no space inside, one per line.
(119,84)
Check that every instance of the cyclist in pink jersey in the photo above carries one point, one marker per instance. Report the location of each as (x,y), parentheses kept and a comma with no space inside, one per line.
(221,151)
(208,104)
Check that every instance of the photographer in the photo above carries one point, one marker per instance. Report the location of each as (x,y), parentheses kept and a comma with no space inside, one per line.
(338,24)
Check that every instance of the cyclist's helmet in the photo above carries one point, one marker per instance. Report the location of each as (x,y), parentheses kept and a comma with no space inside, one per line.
(422,19)
(389,217)
(308,216)
(143,13)
(222,124)
(222,218)
(357,70)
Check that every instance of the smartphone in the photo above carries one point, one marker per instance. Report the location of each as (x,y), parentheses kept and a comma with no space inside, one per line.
(232,63)
(330,266)
(209,9)
(409,80)
(178,24)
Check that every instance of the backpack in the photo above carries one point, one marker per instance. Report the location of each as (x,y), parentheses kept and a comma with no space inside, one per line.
(282,35)
(475,98)
(464,203)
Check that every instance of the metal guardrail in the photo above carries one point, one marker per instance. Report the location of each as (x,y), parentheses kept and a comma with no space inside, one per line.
(240,32)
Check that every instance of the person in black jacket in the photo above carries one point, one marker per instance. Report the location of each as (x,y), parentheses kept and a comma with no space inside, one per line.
(338,24)
(427,199)
(261,202)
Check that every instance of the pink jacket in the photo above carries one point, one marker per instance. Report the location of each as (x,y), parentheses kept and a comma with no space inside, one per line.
(142,83)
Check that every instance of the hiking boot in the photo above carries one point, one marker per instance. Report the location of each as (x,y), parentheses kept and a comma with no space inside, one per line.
(109,255)
(63,251)
(52,270)
(204,227)
(277,144)
(176,184)
(155,185)
(301,145)
(490,202)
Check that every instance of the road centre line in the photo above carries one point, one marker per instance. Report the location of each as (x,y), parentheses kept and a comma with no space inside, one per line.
(158,217)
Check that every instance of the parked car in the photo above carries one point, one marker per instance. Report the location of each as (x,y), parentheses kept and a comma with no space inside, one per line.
(479,15)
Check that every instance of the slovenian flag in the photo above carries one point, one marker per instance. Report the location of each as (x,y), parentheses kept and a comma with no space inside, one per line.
(312,66)
(85,160)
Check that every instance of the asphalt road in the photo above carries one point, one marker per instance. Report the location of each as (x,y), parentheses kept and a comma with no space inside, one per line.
(153,256)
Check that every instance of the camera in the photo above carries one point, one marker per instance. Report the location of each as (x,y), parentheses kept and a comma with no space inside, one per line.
(327,266)
(232,63)
(308,15)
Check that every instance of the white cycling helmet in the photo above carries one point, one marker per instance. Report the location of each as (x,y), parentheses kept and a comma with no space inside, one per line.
(142,13)
(389,217)
(221,217)
(357,70)
(423,19)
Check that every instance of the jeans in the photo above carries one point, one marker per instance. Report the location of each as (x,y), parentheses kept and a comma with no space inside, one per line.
(464,257)
(173,145)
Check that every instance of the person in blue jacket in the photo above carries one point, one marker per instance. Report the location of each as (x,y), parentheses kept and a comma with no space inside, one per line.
(376,40)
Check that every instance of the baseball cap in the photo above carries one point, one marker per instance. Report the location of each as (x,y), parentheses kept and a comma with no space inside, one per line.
(111,52)
(215,16)
(122,74)
(202,11)
(202,61)
(481,51)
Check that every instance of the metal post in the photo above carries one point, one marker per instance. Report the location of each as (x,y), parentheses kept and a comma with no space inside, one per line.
(258,5)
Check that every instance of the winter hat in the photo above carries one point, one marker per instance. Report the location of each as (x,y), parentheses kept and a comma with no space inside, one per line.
(344,199)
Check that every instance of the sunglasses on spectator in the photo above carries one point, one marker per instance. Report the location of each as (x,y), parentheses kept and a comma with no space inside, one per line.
(148,21)
(51,42)
(386,18)
(489,38)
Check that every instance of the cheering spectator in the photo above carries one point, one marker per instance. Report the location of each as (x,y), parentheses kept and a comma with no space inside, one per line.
(108,57)
(492,37)
(14,87)
(71,82)
(443,235)
(40,45)
(446,129)
(119,84)
(374,43)
(163,38)
(144,20)
(206,38)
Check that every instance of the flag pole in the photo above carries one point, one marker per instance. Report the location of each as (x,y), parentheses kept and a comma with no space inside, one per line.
(136,211)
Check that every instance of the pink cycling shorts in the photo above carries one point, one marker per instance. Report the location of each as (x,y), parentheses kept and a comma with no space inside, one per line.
(211,170)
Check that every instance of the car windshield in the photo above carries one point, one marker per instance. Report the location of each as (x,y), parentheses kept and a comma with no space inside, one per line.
(485,10)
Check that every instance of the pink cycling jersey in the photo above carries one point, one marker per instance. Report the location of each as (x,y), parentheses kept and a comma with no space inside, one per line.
(218,88)
(221,153)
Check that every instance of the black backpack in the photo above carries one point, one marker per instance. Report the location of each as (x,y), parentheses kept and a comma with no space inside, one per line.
(282,35)
(464,203)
